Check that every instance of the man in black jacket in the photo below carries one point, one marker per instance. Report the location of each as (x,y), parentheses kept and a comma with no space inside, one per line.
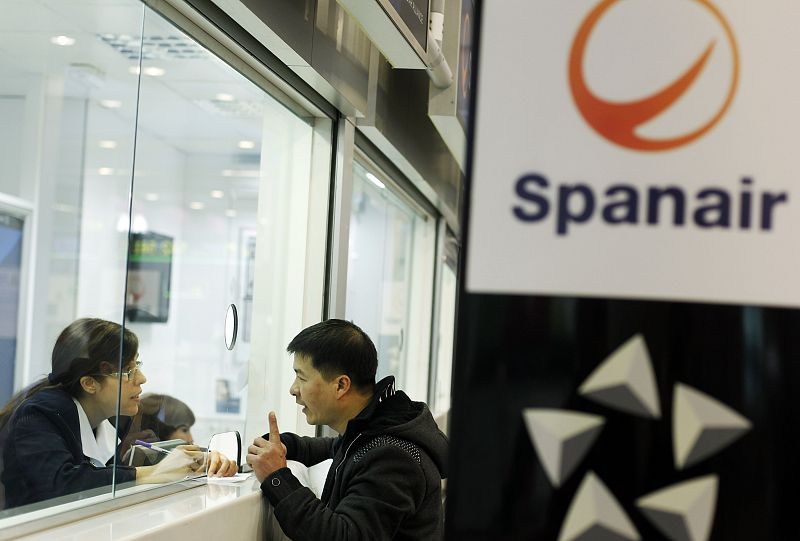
(388,462)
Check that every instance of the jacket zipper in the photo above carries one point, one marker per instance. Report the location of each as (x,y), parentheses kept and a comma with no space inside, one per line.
(336,471)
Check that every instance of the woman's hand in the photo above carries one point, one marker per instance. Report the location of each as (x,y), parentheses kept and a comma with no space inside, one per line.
(221,466)
(182,462)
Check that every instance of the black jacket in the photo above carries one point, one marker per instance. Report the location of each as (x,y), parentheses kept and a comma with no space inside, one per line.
(43,457)
(384,483)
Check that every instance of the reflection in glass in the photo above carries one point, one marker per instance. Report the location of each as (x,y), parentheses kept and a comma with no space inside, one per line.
(67,121)
(379,269)
(58,433)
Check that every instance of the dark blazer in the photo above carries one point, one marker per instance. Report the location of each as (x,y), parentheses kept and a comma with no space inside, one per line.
(43,457)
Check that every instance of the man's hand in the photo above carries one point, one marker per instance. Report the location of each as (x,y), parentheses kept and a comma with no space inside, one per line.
(266,457)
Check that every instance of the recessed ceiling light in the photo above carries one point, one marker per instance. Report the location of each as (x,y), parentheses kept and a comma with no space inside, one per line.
(107,144)
(247,145)
(241,173)
(196,205)
(222,96)
(64,41)
(217,194)
(375,181)
(230,213)
(153,71)
(111,104)
(151,196)
(105,171)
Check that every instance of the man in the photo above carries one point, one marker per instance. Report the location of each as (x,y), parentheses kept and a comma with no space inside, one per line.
(388,461)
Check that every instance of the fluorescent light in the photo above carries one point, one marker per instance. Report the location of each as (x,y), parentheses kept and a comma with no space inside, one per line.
(241,173)
(111,104)
(222,96)
(153,71)
(107,144)
(375,181)
(247,145)
(139,224)
(151,196)
(196,205)
(217,194)
(230,213)
(105,171)
(64,41)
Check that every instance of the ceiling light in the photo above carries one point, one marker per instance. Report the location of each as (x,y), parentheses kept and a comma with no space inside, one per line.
(105,171)
(111,104)
(375,181)
(196,205)
(139,224)
(153,71)
(247,145)
(241,173)
(230,213)
(64,41)
(224,97)
(217,194)
(151,196)
(107,144)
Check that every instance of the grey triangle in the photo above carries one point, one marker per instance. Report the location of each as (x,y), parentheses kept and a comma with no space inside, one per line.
(684,511)
(702,426)
(595,515)
(625,381)
(561,439)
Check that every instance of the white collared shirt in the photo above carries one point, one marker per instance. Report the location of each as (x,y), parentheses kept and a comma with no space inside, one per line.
(99,448)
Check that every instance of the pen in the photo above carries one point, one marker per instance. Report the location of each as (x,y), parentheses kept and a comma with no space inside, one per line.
(151,446)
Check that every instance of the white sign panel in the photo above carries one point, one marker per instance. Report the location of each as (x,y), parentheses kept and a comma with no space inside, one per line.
(638,148)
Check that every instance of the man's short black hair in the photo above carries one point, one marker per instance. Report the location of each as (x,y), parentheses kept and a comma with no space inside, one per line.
(338,347)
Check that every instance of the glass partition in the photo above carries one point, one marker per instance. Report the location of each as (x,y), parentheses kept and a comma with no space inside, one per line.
(390,276)
(220,202)
(67,124)
(147,186)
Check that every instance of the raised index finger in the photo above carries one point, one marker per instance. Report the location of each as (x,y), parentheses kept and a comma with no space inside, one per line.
(274,433)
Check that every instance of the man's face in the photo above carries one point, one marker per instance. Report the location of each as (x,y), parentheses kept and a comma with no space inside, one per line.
(314,393)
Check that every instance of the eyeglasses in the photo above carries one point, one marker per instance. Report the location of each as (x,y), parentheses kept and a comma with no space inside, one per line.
(127,375)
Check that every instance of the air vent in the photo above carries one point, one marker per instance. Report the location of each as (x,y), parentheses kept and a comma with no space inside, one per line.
(154,47)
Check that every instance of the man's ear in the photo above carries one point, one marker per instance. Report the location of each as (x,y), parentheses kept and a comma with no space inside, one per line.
(89,384)
(343,385)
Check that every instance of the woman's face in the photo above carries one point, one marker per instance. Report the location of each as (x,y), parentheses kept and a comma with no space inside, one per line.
(131,381)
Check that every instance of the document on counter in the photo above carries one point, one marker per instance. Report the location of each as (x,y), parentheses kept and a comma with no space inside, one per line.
(238,478)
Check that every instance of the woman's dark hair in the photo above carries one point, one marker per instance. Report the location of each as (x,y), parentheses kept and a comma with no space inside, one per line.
(87,347)
(164,414)
(338,347)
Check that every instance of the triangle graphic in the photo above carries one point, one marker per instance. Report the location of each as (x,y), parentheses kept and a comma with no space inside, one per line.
(685,511)
(595,515)
(561,439)
(625,381)
(701,426)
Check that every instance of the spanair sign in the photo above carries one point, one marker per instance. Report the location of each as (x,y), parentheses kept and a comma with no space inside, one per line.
(637,148)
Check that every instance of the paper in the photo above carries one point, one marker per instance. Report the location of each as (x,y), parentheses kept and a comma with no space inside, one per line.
(238,478)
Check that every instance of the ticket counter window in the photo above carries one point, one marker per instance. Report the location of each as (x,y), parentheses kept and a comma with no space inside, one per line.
(389,277)
(160,186)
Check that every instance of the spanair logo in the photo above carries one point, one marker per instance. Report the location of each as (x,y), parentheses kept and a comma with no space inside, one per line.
(620,122)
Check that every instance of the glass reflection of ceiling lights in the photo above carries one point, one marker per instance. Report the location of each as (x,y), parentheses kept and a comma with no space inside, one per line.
(372,178)
(107,144)
(111,104)
(150,71)
(247,145)
(64,41)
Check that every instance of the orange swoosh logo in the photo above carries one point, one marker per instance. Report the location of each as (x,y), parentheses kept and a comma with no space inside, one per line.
(617,122)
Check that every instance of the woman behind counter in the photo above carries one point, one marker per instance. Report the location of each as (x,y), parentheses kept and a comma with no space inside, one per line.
(58,436)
